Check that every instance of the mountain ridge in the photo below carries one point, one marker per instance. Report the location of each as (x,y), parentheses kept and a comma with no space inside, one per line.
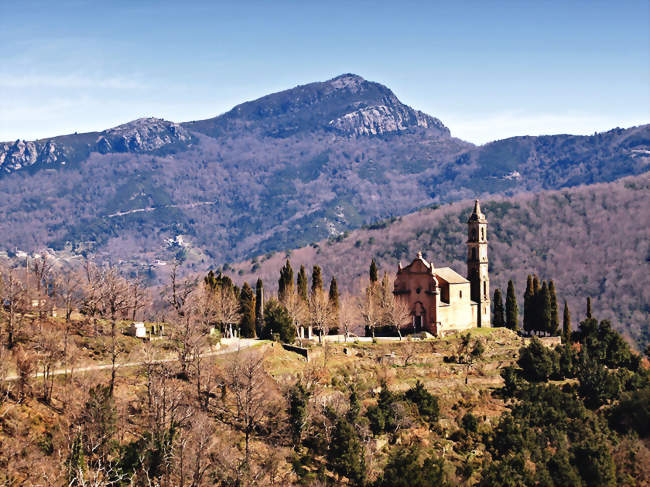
(275,173)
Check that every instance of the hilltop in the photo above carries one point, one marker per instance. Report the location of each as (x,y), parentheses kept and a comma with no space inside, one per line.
(279,172)
(591,240)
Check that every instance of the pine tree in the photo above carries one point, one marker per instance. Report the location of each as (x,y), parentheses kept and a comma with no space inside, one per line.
(512,310)
(316,279)
(285,283)
(345,456)
(555,319)
(528,305)
(259,307)
(374,275)
(566,324)
(247,310)
(498,318)
(303,284)
(589,307)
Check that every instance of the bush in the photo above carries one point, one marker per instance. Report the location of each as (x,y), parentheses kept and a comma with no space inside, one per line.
(277,321)
(632,413)
(426,402)
(537,362)
(470,423)
(405,469)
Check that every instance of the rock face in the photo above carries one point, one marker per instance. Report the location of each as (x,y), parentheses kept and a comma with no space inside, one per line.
(140,136)
(23,154)
(382,119)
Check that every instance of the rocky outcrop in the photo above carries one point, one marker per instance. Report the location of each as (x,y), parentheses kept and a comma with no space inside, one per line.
(382,119)
(21,154)
(140,136)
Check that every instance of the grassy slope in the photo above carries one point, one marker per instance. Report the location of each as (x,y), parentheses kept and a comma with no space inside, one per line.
(591,240)
(24,427)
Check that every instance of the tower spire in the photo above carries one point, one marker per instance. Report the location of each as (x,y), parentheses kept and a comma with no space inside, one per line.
(477,215)
(477,264)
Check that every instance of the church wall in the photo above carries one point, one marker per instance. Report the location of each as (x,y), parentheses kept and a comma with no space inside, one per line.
(406,287)
(461,313)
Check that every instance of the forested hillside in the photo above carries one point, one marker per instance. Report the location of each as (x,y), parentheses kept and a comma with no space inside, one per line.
(592,241)
(279,172)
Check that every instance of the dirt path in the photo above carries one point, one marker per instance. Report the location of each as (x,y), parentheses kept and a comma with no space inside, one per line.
(233,346)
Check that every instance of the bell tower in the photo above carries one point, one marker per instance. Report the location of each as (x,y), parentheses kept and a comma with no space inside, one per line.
(477,264)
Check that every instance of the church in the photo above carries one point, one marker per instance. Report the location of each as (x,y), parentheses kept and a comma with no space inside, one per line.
(441,300)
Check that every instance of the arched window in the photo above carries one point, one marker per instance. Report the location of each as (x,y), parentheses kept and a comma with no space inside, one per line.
(483,233)
(484,289)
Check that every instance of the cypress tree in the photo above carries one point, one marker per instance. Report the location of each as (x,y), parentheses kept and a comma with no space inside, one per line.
(544,301)
(498,318)
(555,319)
(374,275)
(302,283)
(334,301)
(247,310)
(512,310)
(285,283)
(528,297)
(536,284)
(259,307)
(588,307)
(316,279)
(334,295)
(566,324)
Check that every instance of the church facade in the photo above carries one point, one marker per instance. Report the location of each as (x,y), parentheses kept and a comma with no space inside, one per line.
(441,300)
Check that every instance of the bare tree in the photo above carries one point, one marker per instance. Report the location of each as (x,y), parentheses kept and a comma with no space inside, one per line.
(371,308)
(50,351)
(92,293)
(14,303)
(298,311)
(349,315)
(249,398)
(138,296)
(320,312)
(166,409)
(41,269)
(70,296)
(396,312)
(25,365)
(114,301)
(178,291)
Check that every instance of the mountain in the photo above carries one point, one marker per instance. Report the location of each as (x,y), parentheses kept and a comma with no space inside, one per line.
(275,173)
(346,105)
(591,240)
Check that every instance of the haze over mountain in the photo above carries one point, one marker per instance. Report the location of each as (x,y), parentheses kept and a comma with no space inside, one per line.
(275,173)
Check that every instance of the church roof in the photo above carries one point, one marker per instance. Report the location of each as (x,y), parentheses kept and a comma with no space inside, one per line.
(450,275)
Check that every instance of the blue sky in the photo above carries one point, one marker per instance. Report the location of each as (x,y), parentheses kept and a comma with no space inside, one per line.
(488,71)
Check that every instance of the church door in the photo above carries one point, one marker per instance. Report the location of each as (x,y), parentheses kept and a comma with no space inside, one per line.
(417,322)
